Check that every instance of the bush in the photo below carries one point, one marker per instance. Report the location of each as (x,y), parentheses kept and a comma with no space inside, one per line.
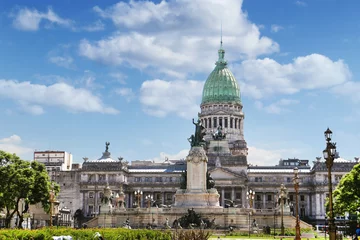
(84,234)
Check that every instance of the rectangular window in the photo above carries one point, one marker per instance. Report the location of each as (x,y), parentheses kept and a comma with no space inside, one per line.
(168,196)
(209,122)
(137,179)
(220,122)
(269,197)
(225,122)
(288,179)
(258,197)
(231,122)
(91,194)
(215,123)
(258,179)
(238,195)
(227,195)
(158,179)
(302,198)
(291,197)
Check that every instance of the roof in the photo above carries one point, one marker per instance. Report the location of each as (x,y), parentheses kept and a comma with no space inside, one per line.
(221,85)
(277,170)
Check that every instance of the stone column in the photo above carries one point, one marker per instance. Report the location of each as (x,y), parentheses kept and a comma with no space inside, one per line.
(264,200)
(130,200)
(308,213)
(223,197)
(95,201)
(243,196)
(83,205)
(232,194)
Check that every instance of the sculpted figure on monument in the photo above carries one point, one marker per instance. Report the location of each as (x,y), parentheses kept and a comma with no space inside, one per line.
(197,139)
(107,146)
(219,134)
(210,183)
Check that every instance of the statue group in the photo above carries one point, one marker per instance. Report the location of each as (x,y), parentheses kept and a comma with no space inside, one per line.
(197,139)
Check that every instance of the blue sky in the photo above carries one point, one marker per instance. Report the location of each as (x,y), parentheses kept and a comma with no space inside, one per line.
(76,74)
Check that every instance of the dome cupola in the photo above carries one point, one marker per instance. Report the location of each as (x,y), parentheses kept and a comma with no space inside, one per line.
(221,85)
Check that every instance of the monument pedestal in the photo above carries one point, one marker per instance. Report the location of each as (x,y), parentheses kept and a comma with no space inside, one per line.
(196,195)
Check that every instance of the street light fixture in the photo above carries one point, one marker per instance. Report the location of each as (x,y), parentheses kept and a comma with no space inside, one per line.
(329,156)
(138,195)
(250,195)
(149,199)
(296,186)
(283,198)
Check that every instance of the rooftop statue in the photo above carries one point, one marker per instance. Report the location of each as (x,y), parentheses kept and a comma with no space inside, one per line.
(219,134)
(197,140)
(107,146)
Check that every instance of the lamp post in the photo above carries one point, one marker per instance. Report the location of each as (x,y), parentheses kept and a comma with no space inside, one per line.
(138,195)
(51,200)
(329,156)
(250,195)
(296,186)
(282,202)
(149,199)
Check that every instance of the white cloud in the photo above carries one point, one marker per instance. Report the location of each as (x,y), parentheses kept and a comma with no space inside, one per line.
(263,77)
(301,3)
(62,61)
(176,37)
(276,107)
(30,19)
(160,98)
(264,157)
(56,95)
(13,139)
(275,28)
(94,27)
(350,90)
(127,93)
(119,77)
(177,156)
(12,145)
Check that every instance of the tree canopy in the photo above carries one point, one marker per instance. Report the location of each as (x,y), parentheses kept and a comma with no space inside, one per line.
(347,193)
(22,183)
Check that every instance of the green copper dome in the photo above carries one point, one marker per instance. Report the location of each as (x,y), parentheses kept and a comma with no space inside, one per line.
(221,85)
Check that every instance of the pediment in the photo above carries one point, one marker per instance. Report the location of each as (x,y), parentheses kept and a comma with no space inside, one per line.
(221,112)
(220,173)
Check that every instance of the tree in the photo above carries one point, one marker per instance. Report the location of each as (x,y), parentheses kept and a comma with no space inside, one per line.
(22,183)
(347,193)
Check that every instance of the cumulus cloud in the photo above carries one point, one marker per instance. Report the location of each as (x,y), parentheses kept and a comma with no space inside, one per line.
(276,107)
(264,157)
(127,93)
(29,19)
(36,96)
(94,27)
(160,98)
(275,28)
(350,90)
(263,77)
(177,156)
(176,37)
(62,61)
(12,144)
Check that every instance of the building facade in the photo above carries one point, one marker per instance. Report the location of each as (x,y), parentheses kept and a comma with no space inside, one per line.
(223,120)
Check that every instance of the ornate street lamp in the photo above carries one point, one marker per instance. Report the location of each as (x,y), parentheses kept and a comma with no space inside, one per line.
(296,186)
(250,195)
(138,195)
(149,199)
(329,156)
(283,198)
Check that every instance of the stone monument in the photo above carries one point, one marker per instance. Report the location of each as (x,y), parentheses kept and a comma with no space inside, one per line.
(196,193)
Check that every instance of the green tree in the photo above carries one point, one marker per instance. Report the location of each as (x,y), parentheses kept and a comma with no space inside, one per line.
(22,183)
(347,193)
